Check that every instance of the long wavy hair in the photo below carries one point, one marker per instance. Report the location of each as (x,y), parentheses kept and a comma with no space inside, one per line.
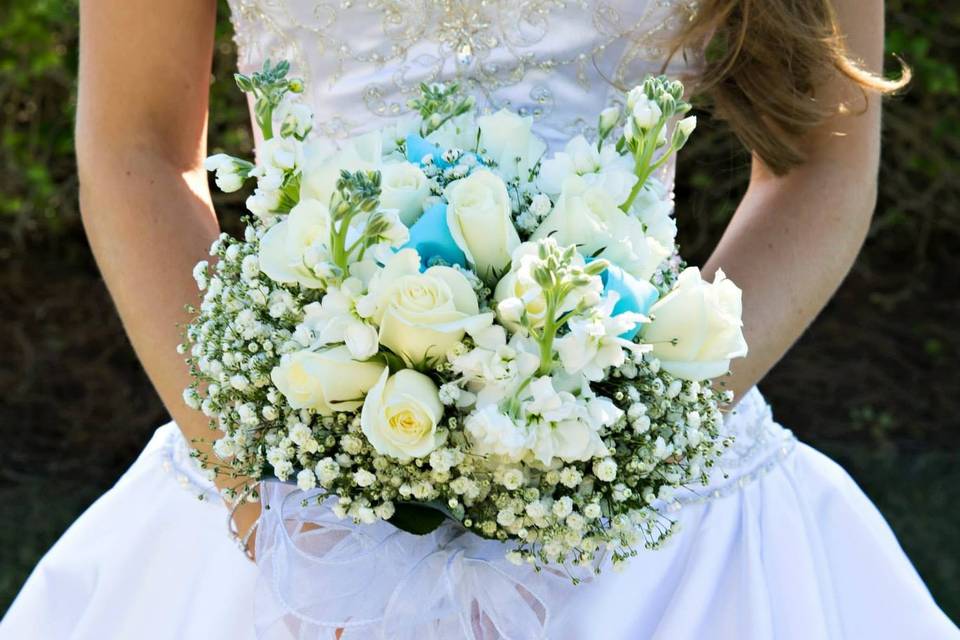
(765,59)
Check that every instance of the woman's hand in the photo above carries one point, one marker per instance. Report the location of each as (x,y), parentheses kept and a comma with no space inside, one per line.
(794,238)
(141,142)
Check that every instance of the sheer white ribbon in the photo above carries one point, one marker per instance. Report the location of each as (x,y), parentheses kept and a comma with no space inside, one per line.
(321,574)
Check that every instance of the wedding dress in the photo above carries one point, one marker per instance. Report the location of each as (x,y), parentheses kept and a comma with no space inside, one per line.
(782,544)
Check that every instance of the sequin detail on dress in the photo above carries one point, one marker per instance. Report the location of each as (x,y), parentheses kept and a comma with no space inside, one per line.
(375,53)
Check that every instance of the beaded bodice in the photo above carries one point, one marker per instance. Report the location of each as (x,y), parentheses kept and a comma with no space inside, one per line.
(561,61)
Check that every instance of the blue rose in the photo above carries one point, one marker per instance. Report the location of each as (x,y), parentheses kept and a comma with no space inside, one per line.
(419,147)
(636,295)
(431,238)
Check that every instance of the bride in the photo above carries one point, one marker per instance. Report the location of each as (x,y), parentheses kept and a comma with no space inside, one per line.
(783,545)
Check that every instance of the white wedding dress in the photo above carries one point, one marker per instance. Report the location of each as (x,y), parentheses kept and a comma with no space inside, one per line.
(781,545)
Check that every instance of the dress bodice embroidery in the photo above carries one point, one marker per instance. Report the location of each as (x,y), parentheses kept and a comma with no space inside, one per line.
(556,60)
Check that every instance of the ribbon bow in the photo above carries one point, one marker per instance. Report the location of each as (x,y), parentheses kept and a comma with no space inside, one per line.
(321,574)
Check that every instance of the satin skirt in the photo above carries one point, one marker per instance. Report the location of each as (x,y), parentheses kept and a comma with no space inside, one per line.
(790,548)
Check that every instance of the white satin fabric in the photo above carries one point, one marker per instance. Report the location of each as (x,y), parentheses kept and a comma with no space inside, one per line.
(785,547)
(781,545)
(559,61)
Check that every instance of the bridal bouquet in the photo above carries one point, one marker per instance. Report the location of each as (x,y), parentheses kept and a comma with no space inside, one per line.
(441,320)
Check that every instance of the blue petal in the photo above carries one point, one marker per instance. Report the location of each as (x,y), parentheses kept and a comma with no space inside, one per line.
(431,237)
(419,147)
(636,295)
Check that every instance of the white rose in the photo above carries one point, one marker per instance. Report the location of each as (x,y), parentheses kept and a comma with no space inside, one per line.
(478,215)
(326,381)
(323,162)
(421,315)
(456,133)
(507,139)
(289,246)
(697,328)
(586,216)
(494,433)
(401,414)
(403,188)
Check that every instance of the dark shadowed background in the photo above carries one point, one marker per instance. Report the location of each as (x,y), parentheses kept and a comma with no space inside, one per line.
(873,383)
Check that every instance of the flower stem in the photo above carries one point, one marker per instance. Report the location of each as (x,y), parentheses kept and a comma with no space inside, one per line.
(643,168)
(546,348)
(338,240)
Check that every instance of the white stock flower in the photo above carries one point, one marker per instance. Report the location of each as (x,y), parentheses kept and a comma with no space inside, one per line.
(478,215)
(696,329)
(280,153)
(644,113)
(333,320)
(508,140)
(495,368)
(654,206)
(606,169)
(420,315)
(588,217)
(295,118)
(561,426)
(291,249)
(404,187)
(401,414)
(593,344)
(229,171)
(518,292)
(687,125)
(609,118)
(325,381)
(494,433)
(392,233)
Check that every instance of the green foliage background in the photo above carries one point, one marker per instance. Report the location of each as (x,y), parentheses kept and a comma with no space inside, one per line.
(873,383)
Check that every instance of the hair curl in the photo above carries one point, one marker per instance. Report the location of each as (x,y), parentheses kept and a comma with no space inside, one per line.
(765,59)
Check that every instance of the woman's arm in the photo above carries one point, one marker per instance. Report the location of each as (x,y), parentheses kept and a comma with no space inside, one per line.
(793,238)
(141,141)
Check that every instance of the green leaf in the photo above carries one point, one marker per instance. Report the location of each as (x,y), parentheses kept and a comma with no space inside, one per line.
(418,518)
